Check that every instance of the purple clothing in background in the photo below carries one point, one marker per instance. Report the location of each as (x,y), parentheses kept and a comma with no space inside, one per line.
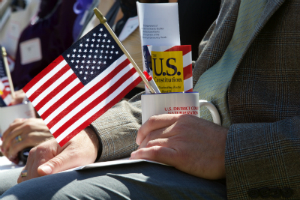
(81,7)
(55,33)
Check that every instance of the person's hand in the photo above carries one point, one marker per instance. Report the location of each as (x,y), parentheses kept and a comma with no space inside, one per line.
(188,143)
(49,158)
(31,132)
(19,96)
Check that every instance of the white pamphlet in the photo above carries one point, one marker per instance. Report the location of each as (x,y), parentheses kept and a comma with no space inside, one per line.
(159,23)
(112,163)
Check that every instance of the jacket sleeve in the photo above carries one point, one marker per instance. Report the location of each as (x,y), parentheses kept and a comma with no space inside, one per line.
(117,129)
(262,159)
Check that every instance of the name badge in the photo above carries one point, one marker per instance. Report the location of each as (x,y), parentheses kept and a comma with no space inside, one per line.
(30,51)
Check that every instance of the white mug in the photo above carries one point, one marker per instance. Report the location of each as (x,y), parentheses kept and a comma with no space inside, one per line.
(176,103)
(10,113)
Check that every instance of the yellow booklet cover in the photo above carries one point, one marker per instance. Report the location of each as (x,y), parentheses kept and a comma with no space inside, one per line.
(168,70)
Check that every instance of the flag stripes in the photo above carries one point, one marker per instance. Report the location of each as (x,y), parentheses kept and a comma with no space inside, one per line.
(67,106)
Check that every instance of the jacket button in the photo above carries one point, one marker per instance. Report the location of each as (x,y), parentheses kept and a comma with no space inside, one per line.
(264,192)
(275,192)
(253,193)
(287,192)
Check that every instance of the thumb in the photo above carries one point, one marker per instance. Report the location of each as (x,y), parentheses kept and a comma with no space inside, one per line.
(57,164)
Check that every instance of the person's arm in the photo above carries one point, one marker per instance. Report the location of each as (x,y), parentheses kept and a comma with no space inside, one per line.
(263,158)
(117,129)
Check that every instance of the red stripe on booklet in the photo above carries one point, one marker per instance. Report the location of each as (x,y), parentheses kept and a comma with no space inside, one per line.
(184,48)
(188,72)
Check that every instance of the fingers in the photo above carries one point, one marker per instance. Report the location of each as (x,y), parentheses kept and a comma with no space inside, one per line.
(156,153)
(154,123)
(16,123)
(160,133)
(24,127)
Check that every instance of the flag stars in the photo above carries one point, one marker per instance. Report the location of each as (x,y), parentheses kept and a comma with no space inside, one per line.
(107,46)
(76,66)
(99,35)
(80,72)
(90,56)
(105,35)
(73,55)
(111,52)
(98,40)
(117,52)
(95,56)
(92,72)
(84,56)
(88,61)
(98,67)
(77,61)
(104,62)
(97,45)
(101,29)
(112,46)
(79,50)
(78,56)
(106,51)
(85,51)
(103,40)
(102,46)
(81,67)
(83,61)
(94,34)
(72,61)
(93,67)
(93,40)
(101,51)
(99,62)
(81,45)
(74,50)
(86,45)
(94,62)
(86,72)
(91,51)
(68,55)
(108,41)
(110,57)
(87,67)
(84,78)
(96,51)
(88,40)
(92,45)
(105,57)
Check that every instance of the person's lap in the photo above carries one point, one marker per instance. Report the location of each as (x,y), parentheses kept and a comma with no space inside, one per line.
(134,181)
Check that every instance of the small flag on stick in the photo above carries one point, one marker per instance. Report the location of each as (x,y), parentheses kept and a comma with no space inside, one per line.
(82,84)
(5,89)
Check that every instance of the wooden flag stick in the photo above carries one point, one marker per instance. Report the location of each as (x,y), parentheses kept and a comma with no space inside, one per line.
(103,21)
(12,91)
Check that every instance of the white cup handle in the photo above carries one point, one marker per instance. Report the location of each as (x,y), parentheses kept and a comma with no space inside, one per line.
(213,110)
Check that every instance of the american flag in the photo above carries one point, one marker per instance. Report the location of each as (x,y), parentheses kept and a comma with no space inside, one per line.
(4,84)
(187,61)
(82,84)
